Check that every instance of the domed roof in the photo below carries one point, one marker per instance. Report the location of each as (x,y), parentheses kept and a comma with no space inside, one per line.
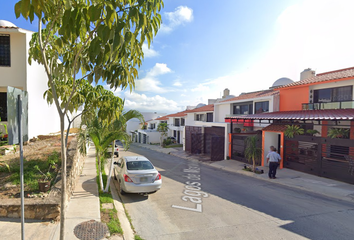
(4,23)
(282,81)
(200,105)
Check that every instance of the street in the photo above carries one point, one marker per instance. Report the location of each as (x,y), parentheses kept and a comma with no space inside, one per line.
(200,202)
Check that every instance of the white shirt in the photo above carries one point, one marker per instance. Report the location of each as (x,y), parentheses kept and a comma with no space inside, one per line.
(273,157)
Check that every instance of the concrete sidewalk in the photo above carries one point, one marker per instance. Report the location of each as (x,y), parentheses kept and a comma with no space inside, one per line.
(83,206)
(287,177)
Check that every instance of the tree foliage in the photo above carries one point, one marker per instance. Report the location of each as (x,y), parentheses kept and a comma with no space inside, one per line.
(163,129)
(103,134)
(292,130)
(88,40)
(252,152)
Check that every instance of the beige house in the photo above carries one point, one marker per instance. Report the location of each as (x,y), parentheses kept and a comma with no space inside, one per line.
(15,71)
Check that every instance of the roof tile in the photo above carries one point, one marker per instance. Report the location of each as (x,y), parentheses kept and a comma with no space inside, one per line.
(323,77)
(258,94)
(206,108)
(326,114)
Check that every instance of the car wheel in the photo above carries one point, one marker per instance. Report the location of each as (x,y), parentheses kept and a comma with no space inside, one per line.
(121,191)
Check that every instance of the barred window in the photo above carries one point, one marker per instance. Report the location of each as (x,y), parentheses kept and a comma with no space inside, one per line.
(5,50)
(3,106)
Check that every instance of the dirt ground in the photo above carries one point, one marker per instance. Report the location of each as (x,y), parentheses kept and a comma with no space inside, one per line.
(41,148)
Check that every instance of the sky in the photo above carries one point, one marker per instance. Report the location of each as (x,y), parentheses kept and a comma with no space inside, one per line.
(205,46)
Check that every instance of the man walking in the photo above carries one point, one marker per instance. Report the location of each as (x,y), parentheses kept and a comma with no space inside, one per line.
(274,159)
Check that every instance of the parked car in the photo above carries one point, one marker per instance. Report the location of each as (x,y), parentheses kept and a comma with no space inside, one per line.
(136,174)
(116,150)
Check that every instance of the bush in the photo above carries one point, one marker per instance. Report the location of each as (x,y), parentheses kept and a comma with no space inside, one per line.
(167,142)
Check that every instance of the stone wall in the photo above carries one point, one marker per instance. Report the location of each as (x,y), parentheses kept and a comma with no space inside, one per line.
(47,208)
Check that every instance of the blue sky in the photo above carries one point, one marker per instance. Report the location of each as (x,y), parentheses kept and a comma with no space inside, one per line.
(206,46)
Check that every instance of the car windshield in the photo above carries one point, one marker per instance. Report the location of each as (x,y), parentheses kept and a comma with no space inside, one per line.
(139,165)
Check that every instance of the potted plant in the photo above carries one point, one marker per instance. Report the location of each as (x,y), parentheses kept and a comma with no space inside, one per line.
(44,182)
(292,130)
(338,133)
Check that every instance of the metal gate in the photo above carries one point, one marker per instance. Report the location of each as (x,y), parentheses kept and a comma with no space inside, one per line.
(218,148)
(197,143)
(325,157)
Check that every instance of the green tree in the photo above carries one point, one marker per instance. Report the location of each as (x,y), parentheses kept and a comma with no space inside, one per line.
(163,129)
(102,135)
(252,152)
(88,40)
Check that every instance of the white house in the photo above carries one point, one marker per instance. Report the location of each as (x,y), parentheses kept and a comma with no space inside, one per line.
(146,134)
(15,71)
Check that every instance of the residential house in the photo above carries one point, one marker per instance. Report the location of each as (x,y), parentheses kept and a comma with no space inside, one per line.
(15,71)
(322,105)
(232,110)
(203,135)
(144,132)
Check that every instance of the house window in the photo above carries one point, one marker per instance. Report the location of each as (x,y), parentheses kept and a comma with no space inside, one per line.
(5,50)
(177,122)
(199,117)
(333,94)
(245,108)
(152,126)
(3,106)
(262,107)
(182,122)
(209,117)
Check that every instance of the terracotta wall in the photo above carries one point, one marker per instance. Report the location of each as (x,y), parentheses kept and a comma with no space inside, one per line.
(293,98)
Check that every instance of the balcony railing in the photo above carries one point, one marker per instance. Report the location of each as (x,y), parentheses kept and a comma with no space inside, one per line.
(328,105)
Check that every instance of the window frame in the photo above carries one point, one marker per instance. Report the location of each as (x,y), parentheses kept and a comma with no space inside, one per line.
(7,52)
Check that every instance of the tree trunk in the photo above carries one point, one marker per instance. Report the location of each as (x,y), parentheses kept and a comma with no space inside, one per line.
(63,179)
(100,172)
(110,169)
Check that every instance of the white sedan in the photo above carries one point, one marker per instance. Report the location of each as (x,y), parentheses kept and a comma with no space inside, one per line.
(136,174)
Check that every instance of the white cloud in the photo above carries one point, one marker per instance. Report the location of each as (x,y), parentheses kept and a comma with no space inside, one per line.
(202,87)
(150,83)
(177,84)
(180,16)
(156,103)
(159,69)
(149,52)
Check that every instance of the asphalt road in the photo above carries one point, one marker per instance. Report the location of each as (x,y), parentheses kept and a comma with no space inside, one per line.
(200,202)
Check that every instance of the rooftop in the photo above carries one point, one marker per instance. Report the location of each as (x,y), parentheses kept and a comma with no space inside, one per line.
(326,114)
(323,77)
(251,95)
(206,108)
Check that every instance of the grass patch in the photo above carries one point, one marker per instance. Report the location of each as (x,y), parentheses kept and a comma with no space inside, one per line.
(30,174)
(108,216)
(137,237)
(106,198)
(174,145)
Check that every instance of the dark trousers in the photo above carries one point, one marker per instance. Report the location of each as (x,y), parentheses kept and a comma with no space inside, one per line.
(272,169)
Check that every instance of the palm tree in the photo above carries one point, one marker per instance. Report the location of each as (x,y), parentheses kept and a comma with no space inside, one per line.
(292,130)
(102,134)
(253,152)
(162,128)
(338,133)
